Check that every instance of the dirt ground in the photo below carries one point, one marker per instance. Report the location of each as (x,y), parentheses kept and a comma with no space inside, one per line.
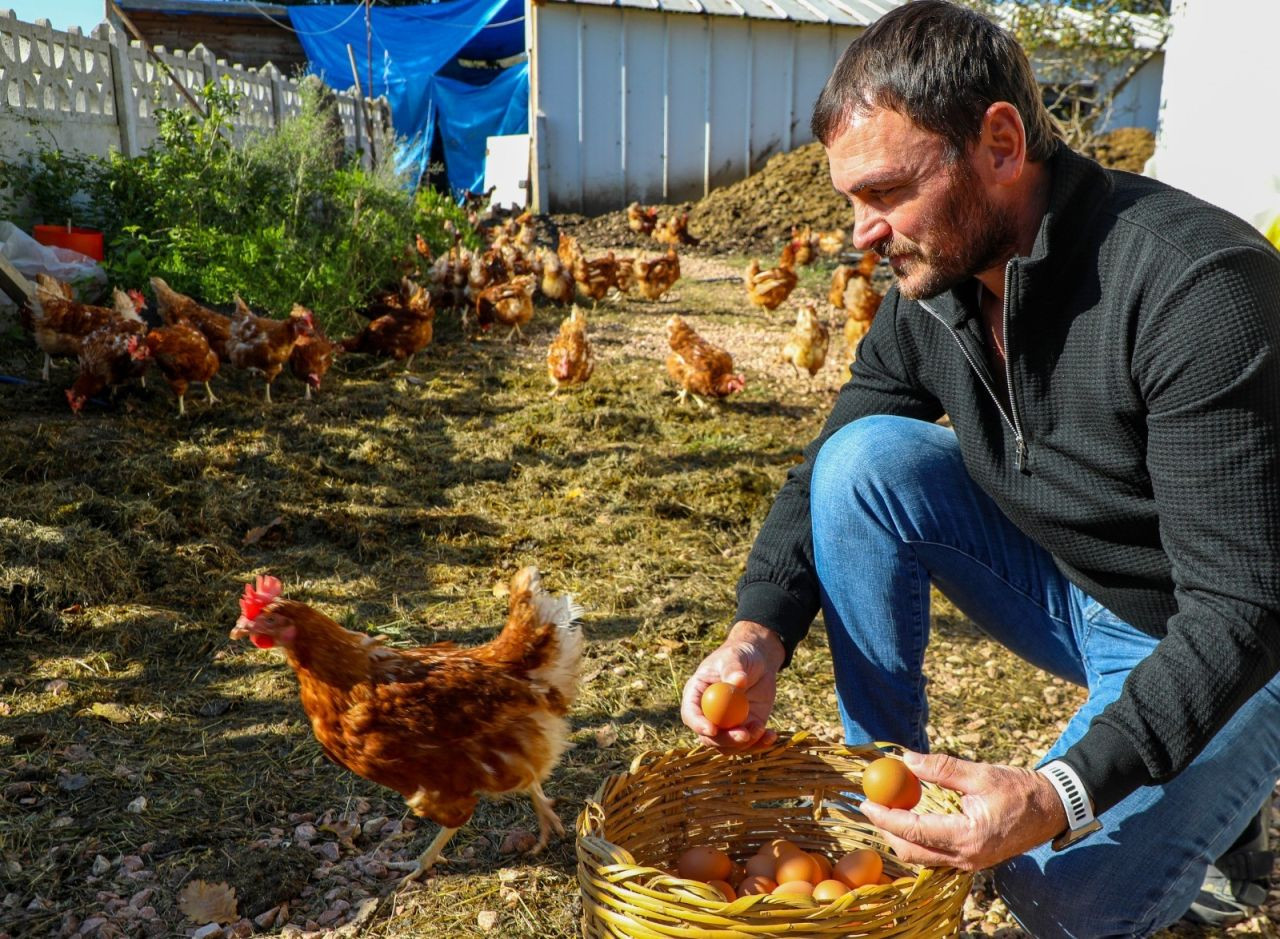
(143,752)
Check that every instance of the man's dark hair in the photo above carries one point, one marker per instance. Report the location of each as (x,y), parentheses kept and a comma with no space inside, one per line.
(942,66)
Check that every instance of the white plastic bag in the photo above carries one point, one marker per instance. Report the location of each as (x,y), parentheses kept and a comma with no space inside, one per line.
(30,257)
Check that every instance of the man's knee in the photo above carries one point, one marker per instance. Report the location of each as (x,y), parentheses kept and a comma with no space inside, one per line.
(869,449)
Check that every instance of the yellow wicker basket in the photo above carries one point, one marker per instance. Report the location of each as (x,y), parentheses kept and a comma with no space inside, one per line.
(632,831)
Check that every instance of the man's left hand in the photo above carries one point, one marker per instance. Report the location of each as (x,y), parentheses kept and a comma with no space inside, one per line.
(1004,811)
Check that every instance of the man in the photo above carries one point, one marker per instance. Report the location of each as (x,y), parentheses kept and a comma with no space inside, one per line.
(1106,504)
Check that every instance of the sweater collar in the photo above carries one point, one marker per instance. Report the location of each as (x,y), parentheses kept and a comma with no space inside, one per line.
(1078,188)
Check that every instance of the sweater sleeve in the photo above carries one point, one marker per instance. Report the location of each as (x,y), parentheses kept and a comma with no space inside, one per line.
(1207,362)
(779,588)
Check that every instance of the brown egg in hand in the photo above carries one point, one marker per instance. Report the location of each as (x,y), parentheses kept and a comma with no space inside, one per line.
(889,782)
(724,705)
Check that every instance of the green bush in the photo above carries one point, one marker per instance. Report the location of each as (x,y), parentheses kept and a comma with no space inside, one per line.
(279,219)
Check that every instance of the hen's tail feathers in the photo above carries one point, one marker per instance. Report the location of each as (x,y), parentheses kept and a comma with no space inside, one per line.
(558,667)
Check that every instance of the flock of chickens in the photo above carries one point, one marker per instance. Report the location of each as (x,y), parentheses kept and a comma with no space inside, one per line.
(495,286)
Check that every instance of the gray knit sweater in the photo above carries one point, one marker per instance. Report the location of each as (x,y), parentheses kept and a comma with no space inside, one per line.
(1142,447)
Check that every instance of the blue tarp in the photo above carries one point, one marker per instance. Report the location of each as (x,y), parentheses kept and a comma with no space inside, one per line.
(410,45)
(467,114)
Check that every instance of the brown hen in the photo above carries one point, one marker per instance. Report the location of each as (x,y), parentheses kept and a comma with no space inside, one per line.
(698,367)
(439,724)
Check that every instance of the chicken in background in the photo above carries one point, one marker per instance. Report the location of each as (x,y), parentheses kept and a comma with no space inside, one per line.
(312,354)
(404,329)
(804,246)
(595,276)
(175,307)
(109,356)
(675,231)
(262,344)
(555,280)
(807,347)
(655,277)
(449,275)
(642,220)
(509,303)
(424,250)
(60,323)
(569,360)
(439,724)
(831,242)
(624,275)
(698,367)
(183,356)
(568,250)
(770,287)
(858,298)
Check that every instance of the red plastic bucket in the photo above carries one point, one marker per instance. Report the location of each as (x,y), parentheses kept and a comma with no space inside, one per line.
(85,240)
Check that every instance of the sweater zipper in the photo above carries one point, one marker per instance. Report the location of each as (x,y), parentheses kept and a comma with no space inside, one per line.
(1010,417)
(1008,377)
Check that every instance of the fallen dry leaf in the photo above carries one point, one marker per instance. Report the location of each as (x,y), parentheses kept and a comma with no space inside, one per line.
(204,902)
(487,919)
(606,736)
(110,712)
(254,535)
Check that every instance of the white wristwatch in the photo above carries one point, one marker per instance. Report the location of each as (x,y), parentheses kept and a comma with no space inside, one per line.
(1075,799)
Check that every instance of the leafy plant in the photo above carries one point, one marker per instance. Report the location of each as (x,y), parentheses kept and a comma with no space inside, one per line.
(279,218)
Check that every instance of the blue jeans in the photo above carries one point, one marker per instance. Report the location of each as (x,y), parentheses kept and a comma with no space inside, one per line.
(893,510)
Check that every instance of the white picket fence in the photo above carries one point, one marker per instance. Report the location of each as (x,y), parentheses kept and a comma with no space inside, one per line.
(98,93)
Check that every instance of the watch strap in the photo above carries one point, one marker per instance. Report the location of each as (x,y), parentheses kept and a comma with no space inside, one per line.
(1075,800)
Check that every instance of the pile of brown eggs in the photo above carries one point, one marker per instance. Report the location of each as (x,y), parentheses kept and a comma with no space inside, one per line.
(783,868)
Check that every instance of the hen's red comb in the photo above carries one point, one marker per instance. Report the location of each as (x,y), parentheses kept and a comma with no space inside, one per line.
(258,595)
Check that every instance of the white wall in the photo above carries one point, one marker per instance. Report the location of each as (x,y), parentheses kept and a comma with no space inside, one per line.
(631,104)
(1137,104)
(1219,135)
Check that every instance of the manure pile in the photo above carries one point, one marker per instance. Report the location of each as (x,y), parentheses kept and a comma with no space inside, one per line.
(751,216)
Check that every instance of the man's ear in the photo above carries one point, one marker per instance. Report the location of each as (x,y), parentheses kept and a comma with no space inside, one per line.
(1003,143)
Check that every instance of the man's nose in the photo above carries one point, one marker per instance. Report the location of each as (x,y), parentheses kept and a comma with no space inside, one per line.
(869,228)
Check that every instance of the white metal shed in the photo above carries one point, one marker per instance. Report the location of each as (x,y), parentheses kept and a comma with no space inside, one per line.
(665,100)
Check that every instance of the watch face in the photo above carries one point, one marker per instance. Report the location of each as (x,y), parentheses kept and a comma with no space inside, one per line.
(1072,835)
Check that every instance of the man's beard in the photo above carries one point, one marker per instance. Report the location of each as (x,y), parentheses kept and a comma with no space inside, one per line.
(970,235)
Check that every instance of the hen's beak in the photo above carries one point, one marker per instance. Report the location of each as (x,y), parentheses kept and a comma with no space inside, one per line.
(243,628)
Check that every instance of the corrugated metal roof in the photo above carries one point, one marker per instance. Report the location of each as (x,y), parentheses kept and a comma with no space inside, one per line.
(835,12)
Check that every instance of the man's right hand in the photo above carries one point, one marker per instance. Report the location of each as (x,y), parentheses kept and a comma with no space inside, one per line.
(749,658)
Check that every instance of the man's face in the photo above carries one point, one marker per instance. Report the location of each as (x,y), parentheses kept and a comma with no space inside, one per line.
(935,221)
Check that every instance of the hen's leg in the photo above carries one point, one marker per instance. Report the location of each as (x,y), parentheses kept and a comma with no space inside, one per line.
(181,409)
(44,372)
(268,392)
(548,820)
(209,392)
(427,859)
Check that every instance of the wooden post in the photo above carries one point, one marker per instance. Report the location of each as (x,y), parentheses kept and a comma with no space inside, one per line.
(362,128)
(277,93)
(114,9)
(14,284)
(122,85)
